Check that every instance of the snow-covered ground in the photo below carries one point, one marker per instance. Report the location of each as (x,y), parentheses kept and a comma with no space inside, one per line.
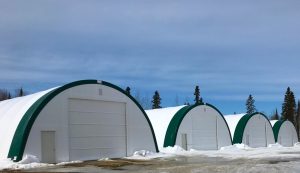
(237,151)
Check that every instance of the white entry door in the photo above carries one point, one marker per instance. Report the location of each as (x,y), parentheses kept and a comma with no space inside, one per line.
(48,146)
(184,141)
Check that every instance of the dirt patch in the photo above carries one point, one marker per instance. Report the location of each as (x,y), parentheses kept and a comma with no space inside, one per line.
(114,163)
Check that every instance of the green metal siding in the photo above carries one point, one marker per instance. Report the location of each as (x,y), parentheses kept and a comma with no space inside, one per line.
(22,132)
(276,128)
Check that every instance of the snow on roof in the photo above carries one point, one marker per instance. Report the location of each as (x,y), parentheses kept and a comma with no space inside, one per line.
(232,121)
(160,120)
(273,122)
(11,113)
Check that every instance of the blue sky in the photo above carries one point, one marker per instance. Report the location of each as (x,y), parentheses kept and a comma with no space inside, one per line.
(229,48)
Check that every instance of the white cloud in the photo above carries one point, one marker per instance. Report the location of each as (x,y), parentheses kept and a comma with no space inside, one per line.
(230,48)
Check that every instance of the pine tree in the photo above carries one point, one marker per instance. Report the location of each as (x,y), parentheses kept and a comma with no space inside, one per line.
(156,101)
(198,99)
(127,90)
(4,94)
(275,116)
(250,107)
(289,106)
(19,92)
(298,118)
(187,101)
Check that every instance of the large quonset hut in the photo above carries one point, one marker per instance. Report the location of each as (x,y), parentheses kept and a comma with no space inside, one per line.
(200,127)
(253,130)
(284,132)
(83,120)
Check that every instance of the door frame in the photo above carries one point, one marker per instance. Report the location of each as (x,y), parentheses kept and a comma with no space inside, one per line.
(46,140)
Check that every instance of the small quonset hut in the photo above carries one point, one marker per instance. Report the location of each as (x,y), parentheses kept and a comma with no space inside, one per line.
(200,127)
(284,132)
(253,130)
(82,120)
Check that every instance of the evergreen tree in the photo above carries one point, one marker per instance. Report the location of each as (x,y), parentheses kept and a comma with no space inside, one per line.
(198,99)
(20,92)
(275,116)
(127,90)
(250,107)
(4,94)
(298,118)
(187,101)
(288,106)
(156,101)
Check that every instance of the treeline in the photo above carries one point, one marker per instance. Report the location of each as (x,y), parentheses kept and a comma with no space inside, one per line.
(290,110)
(5,94)
(155,102)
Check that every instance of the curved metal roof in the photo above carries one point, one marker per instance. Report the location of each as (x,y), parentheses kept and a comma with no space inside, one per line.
(239,130)
(171,134)
(277,125)
(22,113)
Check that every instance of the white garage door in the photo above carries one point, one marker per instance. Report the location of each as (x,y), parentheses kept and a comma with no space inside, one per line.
(255,134)
(204,133)
(97,129)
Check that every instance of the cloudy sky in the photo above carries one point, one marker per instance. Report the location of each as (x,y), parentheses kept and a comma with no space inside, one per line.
(229,48)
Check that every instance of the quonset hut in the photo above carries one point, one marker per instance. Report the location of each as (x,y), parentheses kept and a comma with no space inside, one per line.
(253,130)
(284,132)
(200,127)
(82,120)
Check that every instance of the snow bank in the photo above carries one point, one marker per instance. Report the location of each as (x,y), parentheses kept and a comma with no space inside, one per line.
(146,155)
(235,147)
(143,153)
(239,151)
(28,162)
(172,150)
(275,145)
(297,144)
(236,151)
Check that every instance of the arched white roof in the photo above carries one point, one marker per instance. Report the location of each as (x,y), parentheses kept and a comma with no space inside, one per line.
(273,122)
(232,121)
(284,132)
(253,129)
(207,122)
(160,119)
(11,113)
(18,115)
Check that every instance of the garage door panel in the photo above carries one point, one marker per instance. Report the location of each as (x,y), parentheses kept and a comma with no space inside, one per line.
(198,122)
(204,142)
(78,105)
(91,154)
(95,142)
(97,129)
(92,118)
